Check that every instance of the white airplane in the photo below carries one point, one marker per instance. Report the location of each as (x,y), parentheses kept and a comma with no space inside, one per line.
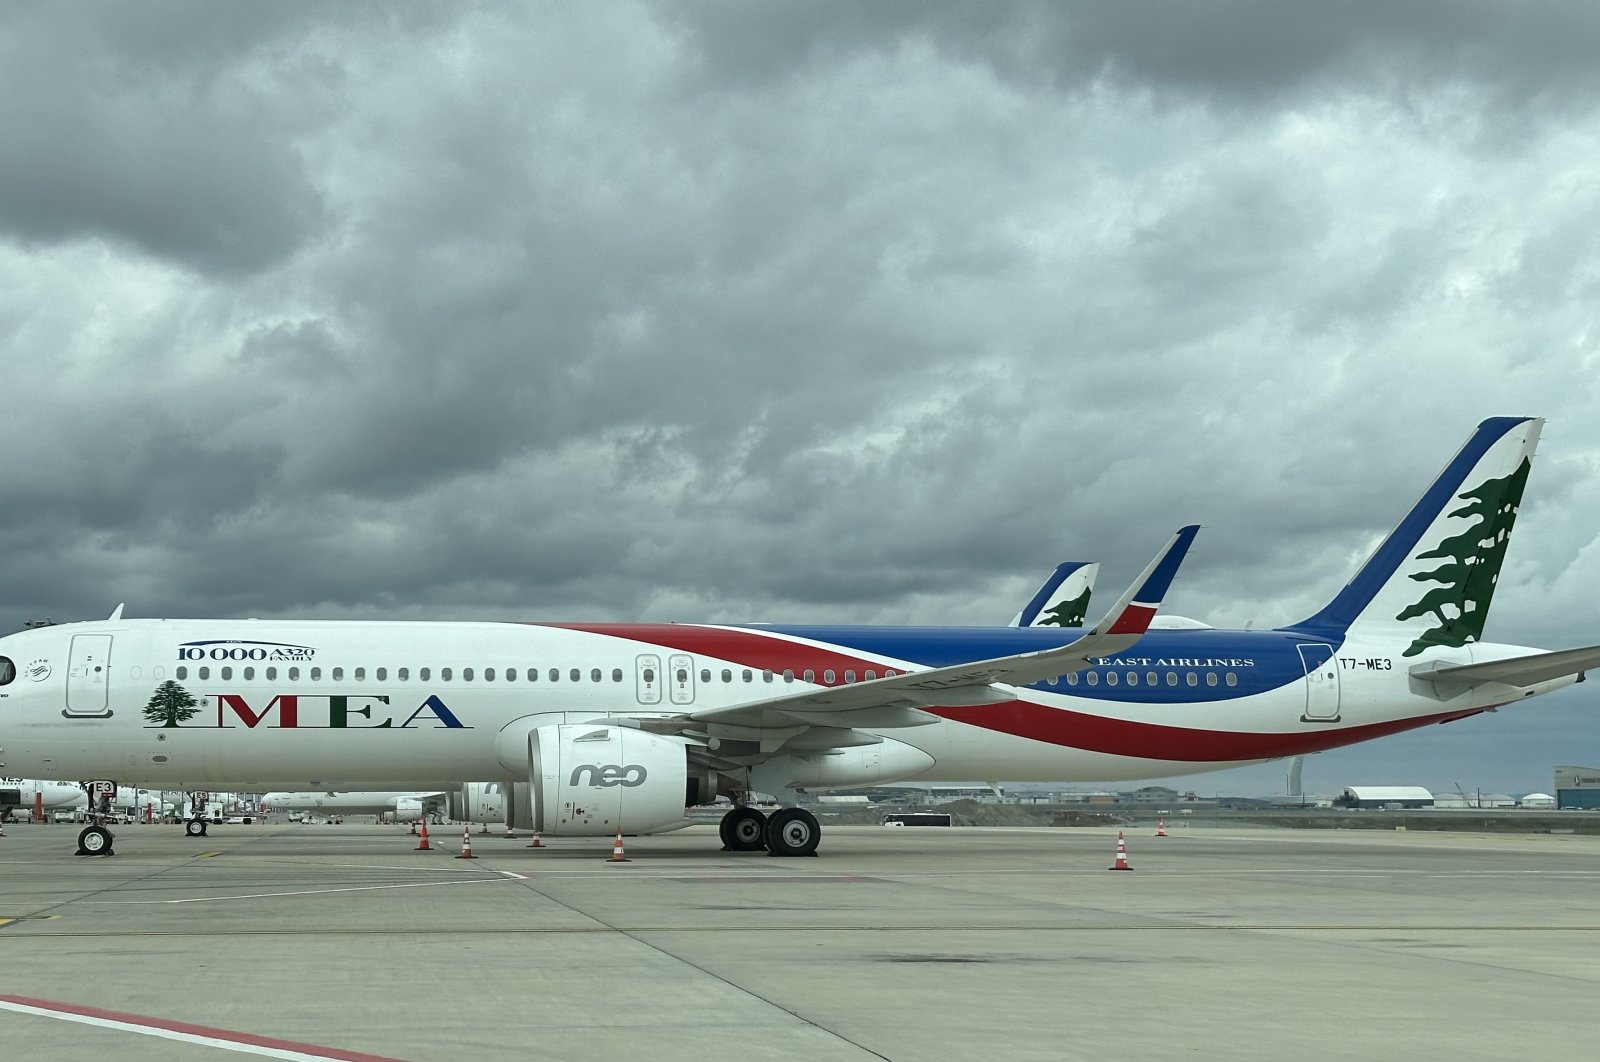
(23,795)
(404,806)
(600,727)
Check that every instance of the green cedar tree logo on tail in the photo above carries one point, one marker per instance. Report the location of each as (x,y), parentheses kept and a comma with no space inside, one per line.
(171,705)
(1066,613)
(1472,565)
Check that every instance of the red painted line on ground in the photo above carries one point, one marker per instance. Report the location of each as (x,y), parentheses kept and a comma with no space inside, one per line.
(189,1029)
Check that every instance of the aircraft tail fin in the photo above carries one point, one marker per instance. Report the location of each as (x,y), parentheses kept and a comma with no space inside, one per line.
(1063,600)
(1435,574)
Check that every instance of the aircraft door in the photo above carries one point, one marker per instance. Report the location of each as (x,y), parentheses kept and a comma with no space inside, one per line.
(88,672)
(1322,683)
(648,671)
(680,673)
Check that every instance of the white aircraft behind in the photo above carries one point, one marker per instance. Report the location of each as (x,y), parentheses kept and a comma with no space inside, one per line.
(19,796)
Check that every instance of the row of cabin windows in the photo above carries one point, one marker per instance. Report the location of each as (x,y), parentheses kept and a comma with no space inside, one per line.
(532,674)
(510,674)
(1151,678)
(403,674)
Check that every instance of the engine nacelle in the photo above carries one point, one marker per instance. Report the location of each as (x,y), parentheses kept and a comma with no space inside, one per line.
(591,780)
(408,809)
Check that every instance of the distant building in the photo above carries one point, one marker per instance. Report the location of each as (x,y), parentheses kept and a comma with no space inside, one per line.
(1384,796)
(1578,787)
(1537,800)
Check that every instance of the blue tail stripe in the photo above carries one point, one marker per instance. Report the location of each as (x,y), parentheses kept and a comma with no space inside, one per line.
(1155,588)
(1338,614)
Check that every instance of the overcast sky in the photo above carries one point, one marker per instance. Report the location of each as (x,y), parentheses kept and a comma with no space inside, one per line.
(803,312)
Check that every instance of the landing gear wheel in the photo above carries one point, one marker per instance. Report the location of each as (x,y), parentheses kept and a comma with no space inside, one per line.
(743,830)
(195,828)
(94,840)
(793,832)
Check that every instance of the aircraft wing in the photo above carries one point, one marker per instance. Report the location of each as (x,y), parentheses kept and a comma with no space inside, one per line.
(1517,670)
(897,700)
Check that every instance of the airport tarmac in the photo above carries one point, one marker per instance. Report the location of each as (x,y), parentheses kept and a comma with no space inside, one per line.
(915,943)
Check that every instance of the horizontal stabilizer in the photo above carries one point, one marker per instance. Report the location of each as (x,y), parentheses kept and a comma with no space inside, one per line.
(1517,670)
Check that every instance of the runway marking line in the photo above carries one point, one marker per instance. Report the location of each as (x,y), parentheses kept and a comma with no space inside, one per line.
(186,1032)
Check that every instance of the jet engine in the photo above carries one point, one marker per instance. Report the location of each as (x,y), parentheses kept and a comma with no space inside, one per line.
(591,780)
(408,809)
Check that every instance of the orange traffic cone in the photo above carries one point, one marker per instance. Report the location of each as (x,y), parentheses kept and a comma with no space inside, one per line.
(616,851)
(466,844)
(535,843)
(1122,854)
(422,845)
(1161,827)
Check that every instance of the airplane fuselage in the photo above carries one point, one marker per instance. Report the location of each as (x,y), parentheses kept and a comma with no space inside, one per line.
(173,703)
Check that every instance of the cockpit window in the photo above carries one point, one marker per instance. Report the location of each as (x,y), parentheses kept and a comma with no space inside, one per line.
(8,670)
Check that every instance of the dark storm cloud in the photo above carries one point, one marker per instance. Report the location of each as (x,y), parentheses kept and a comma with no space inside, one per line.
(1233,50)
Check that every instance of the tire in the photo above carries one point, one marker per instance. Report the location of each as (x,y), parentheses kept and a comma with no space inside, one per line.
(793,832)
(743,830)
(195,827)
(94,840)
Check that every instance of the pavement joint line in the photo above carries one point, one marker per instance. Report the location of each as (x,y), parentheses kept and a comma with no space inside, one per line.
(295,892)
(636,932)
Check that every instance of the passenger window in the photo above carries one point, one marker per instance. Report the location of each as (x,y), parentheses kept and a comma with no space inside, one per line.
(827,676)
(1172,678)
(488,674)
(809,675)
(555,674)
(683,676)
(225,672)
(849,675)
(1232,679)
(533,674)
(1133,678)
(294,674)
(444,674)
(1072,679)
(748,675)
(511,674)
(272,674)
(727,676)
(181,672)
(869,676)
(1150,678)
(316,674)
(1052,679)
(1111,678)
(360,673)
(594,675)
(1092,678)
(649,674)
(1211,678)
(705,674)
(338,674)
(249,673)
(616,674)
(788,674)
(402,673)
(466,674)
(381,674)
(423,673)
(766,675)
(1192,679)
(576,674)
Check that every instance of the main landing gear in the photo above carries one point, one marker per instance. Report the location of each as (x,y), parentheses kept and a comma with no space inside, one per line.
(94,841)
(195,827)
(788,832)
